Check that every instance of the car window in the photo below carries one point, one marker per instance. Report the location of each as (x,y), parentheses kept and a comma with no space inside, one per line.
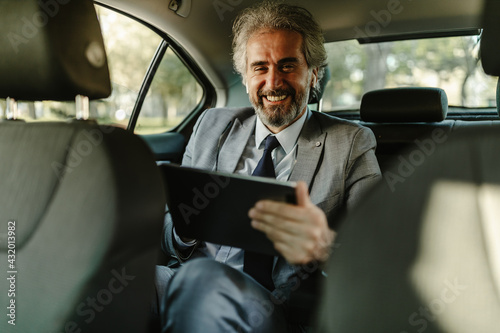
(450,63)
(173,94)
(131,48)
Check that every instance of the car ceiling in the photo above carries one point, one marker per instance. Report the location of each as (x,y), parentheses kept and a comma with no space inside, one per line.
(206,31)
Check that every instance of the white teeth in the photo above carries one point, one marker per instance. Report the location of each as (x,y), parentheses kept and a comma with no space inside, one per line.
(275,98)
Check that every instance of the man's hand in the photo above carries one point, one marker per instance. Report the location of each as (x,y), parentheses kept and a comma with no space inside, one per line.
(299,232)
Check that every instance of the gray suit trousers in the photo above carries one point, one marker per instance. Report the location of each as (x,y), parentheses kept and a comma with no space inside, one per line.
(204,289)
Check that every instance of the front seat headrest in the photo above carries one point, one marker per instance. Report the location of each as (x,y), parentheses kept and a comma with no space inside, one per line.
(52,50)
(409,104)
(490,46)
(490,42)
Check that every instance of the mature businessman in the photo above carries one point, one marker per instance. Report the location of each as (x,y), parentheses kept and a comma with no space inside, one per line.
(278,50)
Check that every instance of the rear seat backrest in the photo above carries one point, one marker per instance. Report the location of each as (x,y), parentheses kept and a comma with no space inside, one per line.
(405,119)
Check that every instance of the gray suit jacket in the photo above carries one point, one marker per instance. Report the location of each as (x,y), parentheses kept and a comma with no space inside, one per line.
(335,157)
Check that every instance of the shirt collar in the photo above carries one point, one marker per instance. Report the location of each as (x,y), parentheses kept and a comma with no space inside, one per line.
(287,137)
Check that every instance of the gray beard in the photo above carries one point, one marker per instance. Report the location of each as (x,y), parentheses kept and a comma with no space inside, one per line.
(277,116)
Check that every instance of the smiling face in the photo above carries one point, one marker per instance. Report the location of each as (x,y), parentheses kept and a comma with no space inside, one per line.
(278,78)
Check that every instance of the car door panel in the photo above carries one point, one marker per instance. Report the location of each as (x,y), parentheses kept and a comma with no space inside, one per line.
(166,146)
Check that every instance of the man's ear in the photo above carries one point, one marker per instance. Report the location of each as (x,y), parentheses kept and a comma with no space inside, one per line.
(245,84)
(314,77)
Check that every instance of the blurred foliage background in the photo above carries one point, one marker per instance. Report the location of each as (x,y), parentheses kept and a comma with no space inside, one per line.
(450,63)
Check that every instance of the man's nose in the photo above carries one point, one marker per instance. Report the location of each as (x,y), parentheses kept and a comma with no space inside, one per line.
(274,79)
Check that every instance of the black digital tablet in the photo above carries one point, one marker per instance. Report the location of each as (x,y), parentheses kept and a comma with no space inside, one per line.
(213,206)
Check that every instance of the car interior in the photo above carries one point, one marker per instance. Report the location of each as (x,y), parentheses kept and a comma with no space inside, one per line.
(96,94)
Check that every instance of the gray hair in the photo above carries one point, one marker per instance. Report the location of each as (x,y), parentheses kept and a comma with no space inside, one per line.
(279,16)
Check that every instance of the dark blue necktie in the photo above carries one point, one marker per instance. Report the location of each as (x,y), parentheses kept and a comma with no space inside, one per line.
(265,168)
(257,265)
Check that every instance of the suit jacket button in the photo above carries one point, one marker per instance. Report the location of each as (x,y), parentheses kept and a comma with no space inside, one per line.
(318,144)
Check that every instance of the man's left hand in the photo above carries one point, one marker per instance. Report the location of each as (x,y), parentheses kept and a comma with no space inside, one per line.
(299,232)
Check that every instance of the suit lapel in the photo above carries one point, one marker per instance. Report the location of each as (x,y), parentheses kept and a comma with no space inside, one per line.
(310,148)
(235,143)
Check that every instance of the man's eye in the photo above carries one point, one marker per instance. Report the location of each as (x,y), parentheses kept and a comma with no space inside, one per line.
(259,69)
(287,68)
